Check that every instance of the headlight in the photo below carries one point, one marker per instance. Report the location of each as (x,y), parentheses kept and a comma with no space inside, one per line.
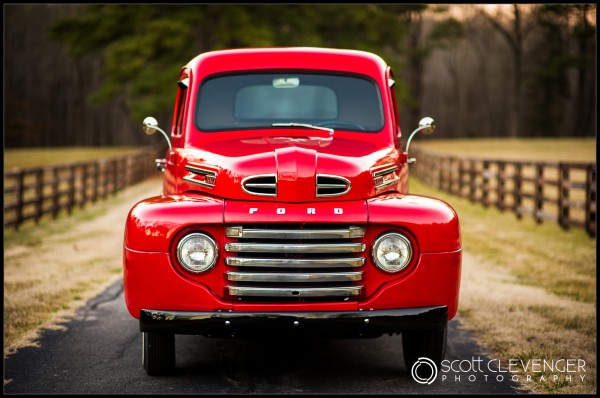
(197,252)
(392,252)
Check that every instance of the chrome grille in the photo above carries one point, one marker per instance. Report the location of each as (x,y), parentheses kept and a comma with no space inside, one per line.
(328,185)
(296,262)
(261,185)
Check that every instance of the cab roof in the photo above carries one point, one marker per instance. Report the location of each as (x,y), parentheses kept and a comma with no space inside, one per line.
(295,58)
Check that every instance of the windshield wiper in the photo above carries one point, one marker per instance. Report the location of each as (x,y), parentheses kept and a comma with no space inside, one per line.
(305,125)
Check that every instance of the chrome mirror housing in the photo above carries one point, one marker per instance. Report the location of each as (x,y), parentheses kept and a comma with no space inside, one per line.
(151,127)
(150,124)
(427,126)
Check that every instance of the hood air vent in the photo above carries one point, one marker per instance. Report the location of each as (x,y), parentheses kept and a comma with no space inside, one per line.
(261,185)
(328,185)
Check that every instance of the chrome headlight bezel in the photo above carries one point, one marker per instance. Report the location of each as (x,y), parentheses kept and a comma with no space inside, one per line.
(386,267)
(183,257)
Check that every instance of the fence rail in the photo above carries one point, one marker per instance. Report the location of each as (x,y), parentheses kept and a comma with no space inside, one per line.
(31,193)
(563,192)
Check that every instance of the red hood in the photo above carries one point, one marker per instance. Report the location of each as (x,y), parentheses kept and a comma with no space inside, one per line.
(284,168)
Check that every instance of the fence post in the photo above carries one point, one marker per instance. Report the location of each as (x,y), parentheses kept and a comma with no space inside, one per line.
(71,201)
(563,195)
(485,185)
(115,176)
(440,172)
(20,180)
(106,180)
(95,181)
(501,186)
(84,185)
(590,201)
(539,193)
(517,192)
(452,187)
(39,194)
(55,192)
(472,182)
(461,176)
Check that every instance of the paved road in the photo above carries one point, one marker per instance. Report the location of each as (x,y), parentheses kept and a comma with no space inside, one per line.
(100,353)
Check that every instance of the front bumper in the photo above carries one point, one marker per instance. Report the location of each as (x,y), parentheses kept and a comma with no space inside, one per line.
(338,324)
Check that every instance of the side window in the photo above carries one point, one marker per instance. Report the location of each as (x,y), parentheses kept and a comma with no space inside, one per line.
(179,111)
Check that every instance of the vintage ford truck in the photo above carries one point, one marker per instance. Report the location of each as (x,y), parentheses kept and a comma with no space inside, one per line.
(285,210)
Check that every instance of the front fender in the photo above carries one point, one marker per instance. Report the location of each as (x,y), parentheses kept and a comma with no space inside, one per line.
(433,222)
(153,222)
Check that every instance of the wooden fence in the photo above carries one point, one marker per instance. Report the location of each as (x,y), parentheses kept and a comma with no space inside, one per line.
(31,193)
(562,192)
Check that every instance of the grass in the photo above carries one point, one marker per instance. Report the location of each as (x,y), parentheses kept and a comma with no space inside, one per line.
(34,157)
(52,268)
(532,289)
(562,262)
(541,149)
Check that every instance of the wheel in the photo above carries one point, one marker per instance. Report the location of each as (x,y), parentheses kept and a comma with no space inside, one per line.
(424,343)
(158,353)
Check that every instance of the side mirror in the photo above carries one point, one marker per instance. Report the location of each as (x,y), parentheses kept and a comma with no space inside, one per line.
(427,126)
(150,124)
(151,127)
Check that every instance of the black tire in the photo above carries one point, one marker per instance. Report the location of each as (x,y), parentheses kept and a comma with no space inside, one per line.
(158,353)
(424,343)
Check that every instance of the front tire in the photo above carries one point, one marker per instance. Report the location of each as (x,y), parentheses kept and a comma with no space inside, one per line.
(158,353)
(424,343)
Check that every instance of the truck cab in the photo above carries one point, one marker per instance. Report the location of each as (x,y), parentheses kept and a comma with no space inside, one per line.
(286,210)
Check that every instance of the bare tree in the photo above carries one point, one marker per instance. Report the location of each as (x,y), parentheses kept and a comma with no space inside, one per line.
(514,28)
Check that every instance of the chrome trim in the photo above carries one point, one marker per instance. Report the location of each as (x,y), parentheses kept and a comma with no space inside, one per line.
(292,292)
(347,185)
(294,277)
(193,181)
(295,247)
(202,172)
(383,172)
(387,183)
(350,233)
(295,263)
(389,169)
(273,185)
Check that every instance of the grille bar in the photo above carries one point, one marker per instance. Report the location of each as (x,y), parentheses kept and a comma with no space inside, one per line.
(294,292)
(295,247)
(352,262)
(348,233)
(294,277)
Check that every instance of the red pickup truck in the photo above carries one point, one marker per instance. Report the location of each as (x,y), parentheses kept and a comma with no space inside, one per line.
(285,210)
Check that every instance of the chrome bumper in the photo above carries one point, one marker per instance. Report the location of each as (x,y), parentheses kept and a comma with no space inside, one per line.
(350,324)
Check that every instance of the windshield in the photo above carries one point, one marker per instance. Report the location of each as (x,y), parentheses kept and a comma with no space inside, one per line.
(344,102)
